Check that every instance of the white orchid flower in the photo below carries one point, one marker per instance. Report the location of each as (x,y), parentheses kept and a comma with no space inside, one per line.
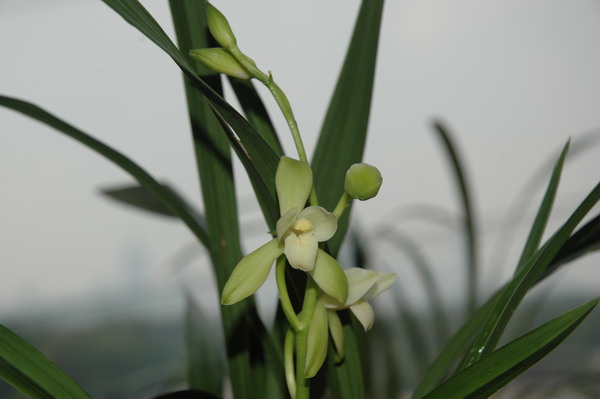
(299,230)
(363,285)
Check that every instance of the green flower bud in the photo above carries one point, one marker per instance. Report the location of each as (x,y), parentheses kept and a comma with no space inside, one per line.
(362,181)
(220,61)
(219,27)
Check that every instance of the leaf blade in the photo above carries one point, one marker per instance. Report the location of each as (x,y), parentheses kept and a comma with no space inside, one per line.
(31,372)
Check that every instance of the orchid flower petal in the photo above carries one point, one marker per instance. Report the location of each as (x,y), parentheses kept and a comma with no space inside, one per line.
(286,221)
(384,281)
(324,223)
(364,313)
(337,333)
(317,341)
(250,273)
(330,277)
(301,251)
(293,182)
(360,282)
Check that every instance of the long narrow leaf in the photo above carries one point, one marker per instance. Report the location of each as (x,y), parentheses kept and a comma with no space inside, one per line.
(139,197)
(515,291)
(256,112)
(260,155)
(340,145)
(468,214)
(167,197)
(28,370)
(344,130)
(243,328)
(539,225)
(492,372)
(584,240)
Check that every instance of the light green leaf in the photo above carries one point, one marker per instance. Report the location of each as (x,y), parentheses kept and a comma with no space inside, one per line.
(28,370)
(492,372)
(167,197)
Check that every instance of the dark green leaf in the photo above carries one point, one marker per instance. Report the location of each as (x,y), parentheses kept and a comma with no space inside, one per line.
(492,372)
(167,197)
(245,334)
(139,197)
(188,394)
(256,113)
(206,352)
(344,130)
(541,219)
(247,142)
(340,145)
(514,292)
(469,224)
(28,370)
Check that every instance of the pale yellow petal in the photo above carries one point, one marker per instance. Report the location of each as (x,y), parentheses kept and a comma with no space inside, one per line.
(384,281)
(324,223)
(301,251)
(250,273)
(330,277)
(360,282)
(293,182)
(317,341)
(364,313)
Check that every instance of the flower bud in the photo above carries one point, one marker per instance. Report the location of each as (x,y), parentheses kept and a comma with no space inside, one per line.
(362,181)
(220,61)
(219,27)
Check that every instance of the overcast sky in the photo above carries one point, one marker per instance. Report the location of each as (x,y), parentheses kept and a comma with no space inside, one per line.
(512,79)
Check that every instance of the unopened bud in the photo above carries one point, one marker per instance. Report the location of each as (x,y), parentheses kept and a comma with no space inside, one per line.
(220,61)
(362,181)
(219,27)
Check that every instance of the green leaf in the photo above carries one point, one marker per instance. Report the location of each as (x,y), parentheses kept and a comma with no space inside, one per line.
(206,352)
(584,240)
(342,140)
(166,196)
(492,372)
(256,112)
(28,370)
(249,145)
(341,144)
(514,292)
(541,219)
(139,197)
(242,326)
(469,224)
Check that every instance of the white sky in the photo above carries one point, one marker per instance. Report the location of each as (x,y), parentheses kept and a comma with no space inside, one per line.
(513,79)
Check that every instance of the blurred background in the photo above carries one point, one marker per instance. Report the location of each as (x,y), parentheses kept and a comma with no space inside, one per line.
(86,278)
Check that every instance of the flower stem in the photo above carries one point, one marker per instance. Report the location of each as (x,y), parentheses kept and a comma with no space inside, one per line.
(308,309)
(284,297)
(342,205)
(282,102)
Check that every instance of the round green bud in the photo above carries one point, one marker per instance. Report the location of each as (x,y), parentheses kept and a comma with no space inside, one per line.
(219,27)
(362,181)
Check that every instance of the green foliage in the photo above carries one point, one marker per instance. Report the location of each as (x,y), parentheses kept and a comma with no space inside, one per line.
(28,370)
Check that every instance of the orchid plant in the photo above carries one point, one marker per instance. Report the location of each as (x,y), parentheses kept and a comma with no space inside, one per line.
(316,347)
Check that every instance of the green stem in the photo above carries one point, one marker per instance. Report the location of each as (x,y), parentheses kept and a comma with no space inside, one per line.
(288,353)
(308,309)
(284,297)
(342,205)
